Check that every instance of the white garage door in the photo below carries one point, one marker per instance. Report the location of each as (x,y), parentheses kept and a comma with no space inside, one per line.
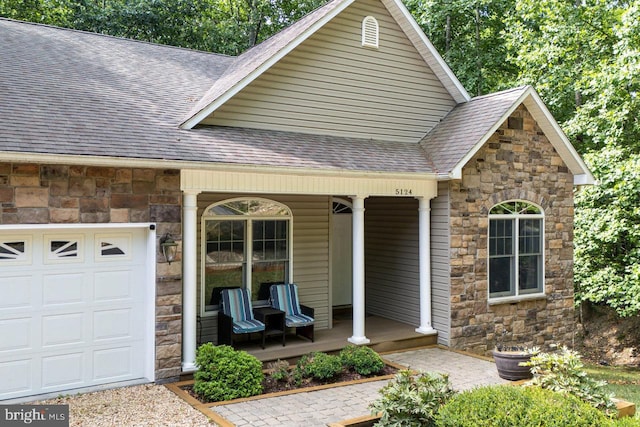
(74,308)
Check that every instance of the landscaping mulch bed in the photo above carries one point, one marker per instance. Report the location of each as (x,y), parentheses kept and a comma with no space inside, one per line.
(271,386)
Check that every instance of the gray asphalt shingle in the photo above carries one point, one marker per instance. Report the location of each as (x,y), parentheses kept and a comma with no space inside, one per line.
(465,126)
(69,92)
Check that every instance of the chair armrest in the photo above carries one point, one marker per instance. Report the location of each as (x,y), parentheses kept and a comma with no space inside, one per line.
(307,311)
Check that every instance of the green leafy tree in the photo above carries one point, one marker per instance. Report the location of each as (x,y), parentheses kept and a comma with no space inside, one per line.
(607,236)
(556,44)
(222,26)
(470,36)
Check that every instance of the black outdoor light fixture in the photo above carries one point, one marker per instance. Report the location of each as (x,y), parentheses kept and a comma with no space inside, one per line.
(169,248)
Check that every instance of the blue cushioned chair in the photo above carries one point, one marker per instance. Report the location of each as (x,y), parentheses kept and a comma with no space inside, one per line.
(236,316)
(285,297)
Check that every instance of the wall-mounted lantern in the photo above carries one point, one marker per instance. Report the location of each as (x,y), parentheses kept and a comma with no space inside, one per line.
(169,248)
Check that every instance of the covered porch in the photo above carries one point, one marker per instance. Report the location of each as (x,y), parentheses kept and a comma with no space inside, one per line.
(384,335)
(396,254)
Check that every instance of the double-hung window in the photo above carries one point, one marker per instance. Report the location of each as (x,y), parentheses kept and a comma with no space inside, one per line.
(516,250)
(245,243)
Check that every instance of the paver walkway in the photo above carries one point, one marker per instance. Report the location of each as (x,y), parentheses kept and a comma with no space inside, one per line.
(317,408)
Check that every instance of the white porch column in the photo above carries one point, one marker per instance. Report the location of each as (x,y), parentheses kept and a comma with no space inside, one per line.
(189,280)
(425,265)
(358,272)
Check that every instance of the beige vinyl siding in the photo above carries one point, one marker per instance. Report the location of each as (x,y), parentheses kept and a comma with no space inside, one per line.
(310,253)
(392,271)
(330,84)
(440,264)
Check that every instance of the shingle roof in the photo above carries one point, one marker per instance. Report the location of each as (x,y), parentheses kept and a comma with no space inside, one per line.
(69,92)
(466,126)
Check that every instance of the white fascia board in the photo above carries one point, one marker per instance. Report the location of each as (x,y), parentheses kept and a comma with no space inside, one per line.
(231,92)
(555,135)
(409,25)
(583,179)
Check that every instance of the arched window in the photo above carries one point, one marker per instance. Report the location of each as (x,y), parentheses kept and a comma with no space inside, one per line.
(245,243)
(516,250)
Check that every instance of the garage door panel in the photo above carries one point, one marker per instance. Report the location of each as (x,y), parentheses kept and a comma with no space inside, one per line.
(113,324)
(15,291)
(16,377)
(113,285)
(114,364)
(64,288)
(62,329)
(16,334)
(63,371)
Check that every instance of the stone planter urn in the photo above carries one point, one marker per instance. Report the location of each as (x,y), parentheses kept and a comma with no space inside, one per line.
(508,363)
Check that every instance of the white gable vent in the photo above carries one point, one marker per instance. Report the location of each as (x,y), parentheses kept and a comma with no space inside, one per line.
(370,32)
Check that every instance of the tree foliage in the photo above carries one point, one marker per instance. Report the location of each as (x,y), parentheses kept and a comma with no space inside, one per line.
(470,35)
(222,26)
(607,237)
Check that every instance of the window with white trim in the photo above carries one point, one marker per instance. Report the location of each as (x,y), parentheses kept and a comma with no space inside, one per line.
(516,250)
(245,243)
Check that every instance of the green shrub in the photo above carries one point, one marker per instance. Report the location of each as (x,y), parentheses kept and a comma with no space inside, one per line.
(320,366)
(224,373)
(412,400)
(361,359)
(625,422)
(563,371)
(508,406)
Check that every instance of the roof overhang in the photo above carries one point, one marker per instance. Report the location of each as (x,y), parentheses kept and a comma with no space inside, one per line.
(553,132)
(205,168)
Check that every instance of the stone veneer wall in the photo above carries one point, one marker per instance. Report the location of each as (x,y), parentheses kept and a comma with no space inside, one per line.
(517,162)
(42,194)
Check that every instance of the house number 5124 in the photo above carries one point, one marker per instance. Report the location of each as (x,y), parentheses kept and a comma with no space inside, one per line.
(404,192)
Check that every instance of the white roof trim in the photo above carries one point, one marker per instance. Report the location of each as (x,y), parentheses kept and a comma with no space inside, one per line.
(439,66)
(537,108)
(206,111)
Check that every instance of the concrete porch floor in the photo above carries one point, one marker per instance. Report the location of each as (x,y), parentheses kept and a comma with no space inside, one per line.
(385,335)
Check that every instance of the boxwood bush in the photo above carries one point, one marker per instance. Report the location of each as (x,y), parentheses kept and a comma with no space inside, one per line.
(508,406)
(362,359)
(318,365)
(224,373)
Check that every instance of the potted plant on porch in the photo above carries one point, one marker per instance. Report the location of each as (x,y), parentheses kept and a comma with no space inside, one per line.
(511,358)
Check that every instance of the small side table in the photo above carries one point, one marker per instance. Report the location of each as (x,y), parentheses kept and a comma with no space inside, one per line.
(273,321)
